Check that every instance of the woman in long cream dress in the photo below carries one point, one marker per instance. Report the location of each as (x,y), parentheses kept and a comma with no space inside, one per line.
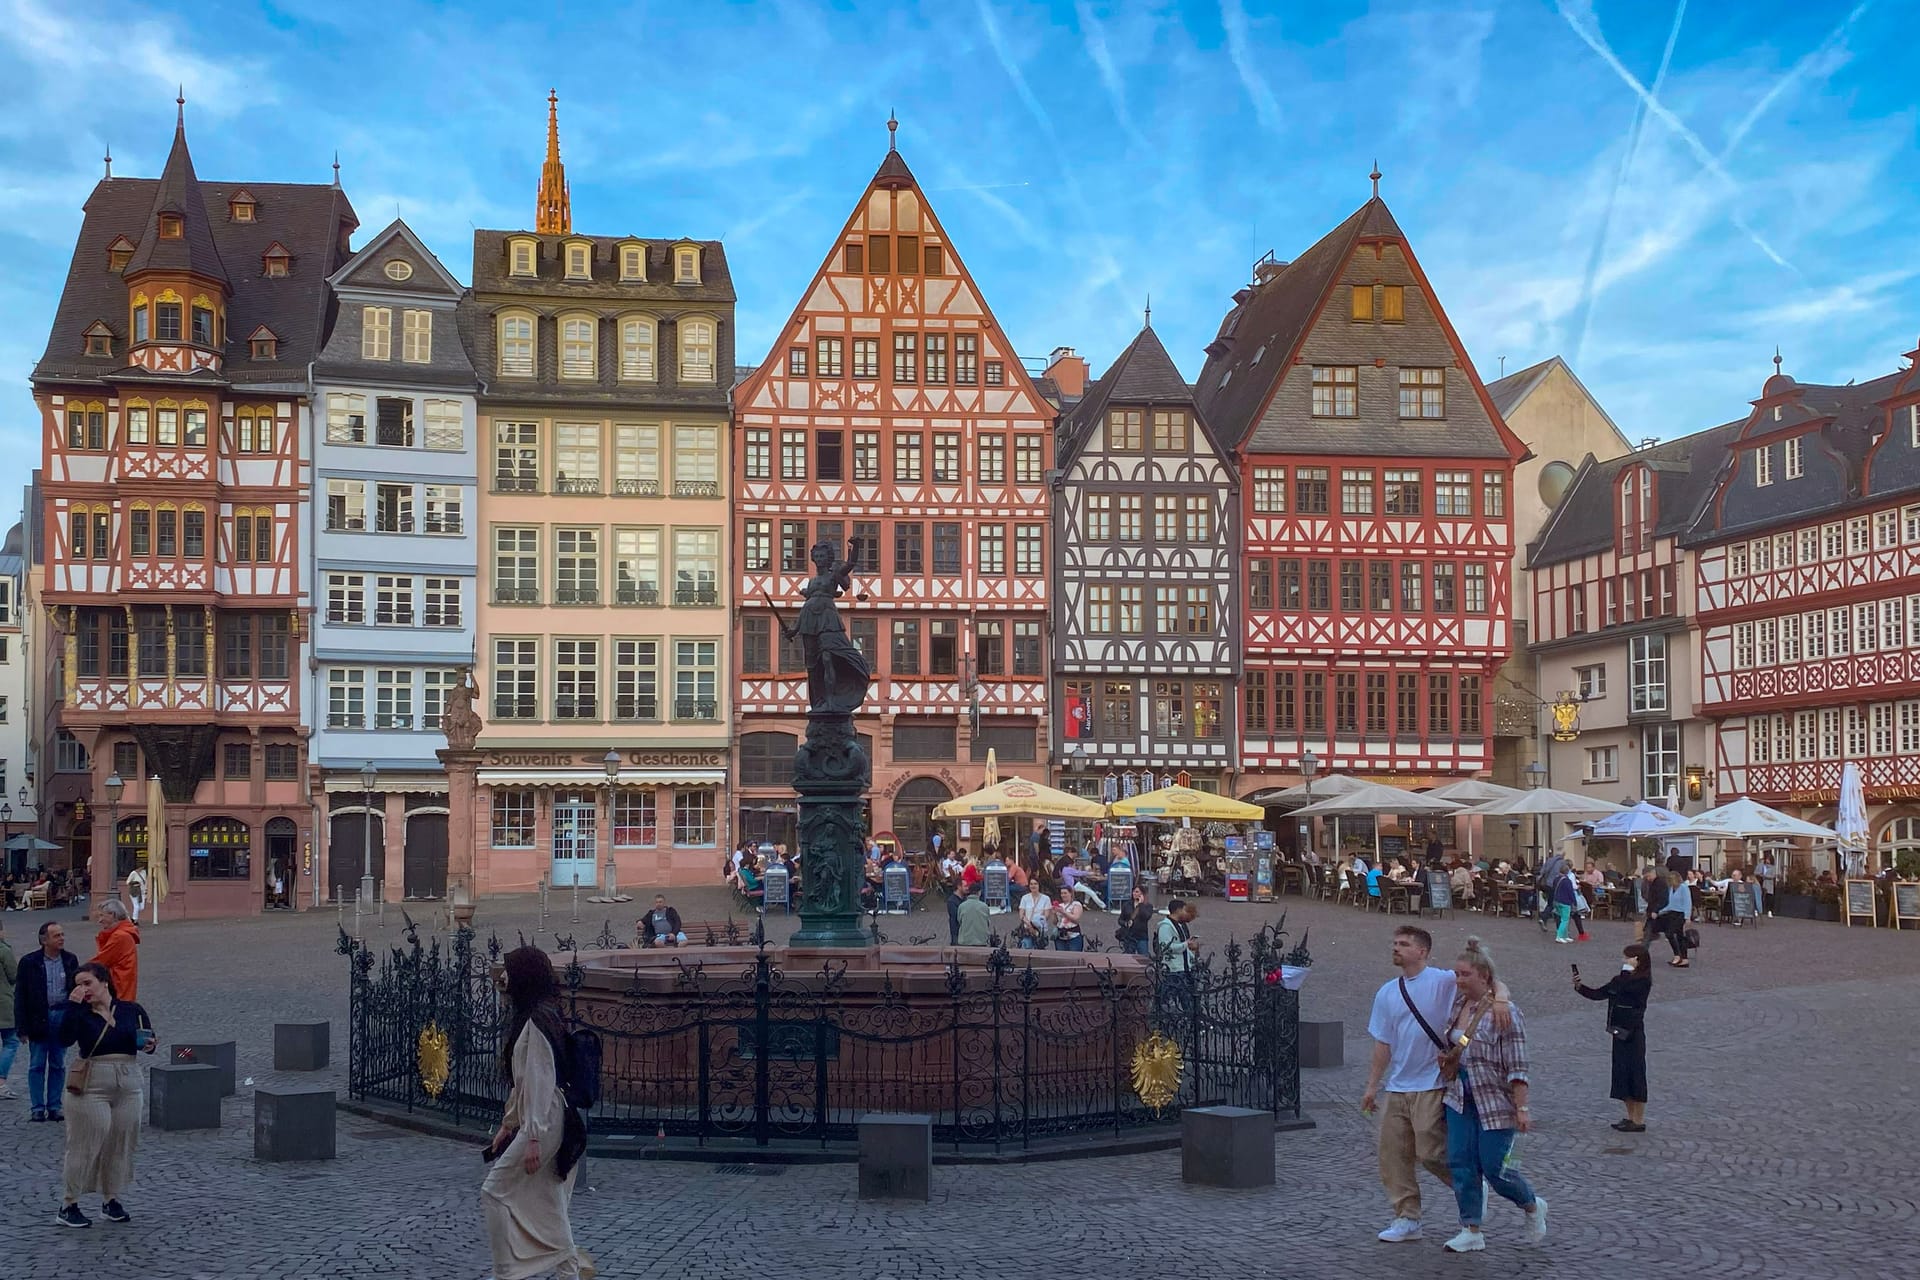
(525,1197)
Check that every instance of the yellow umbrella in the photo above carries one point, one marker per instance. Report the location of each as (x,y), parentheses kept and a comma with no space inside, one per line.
(156,844)
(1184,802)
(990,829)
(1018,797)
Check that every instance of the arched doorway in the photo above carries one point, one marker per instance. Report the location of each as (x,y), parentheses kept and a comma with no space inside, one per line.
(283,864)
(425,862)
(913,812)
(1899,839)
(353,829)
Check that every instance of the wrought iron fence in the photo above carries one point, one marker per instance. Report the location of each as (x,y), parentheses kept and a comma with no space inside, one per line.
(742,1051)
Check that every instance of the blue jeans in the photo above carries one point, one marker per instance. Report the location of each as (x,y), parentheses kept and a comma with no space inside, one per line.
(47,1067)
(9,1046)
(1078,942)
(1474,1153)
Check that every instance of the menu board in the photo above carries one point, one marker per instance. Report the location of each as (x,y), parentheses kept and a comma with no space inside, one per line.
(1439,892)
(1392,847)
(1740,899)
(1858,902)
(1906,903)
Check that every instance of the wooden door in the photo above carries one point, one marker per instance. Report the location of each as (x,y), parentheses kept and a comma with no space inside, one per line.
(426,855)
(346,850)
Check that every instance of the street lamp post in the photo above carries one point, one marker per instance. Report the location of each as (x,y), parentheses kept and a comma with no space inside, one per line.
(6,832)
(1536,779)
(116,787)
(368,775)
(1309,766)
(611,762)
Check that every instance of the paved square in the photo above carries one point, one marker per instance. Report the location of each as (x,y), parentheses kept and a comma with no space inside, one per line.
(1781,1141)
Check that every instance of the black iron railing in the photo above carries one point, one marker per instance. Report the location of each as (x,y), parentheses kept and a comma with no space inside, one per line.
(748,1052)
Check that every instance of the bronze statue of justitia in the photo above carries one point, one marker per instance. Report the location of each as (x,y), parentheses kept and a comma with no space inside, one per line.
(838,674)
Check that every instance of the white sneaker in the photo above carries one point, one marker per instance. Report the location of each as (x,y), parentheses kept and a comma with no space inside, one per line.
(1467,1242)
(1537,1220)
(1563,939)
(6,1092)
(1401,1230)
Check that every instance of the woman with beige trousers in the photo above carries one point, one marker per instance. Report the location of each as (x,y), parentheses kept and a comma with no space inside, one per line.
(103,1094)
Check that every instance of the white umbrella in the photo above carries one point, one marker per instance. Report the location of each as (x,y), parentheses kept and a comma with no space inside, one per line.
(1334,784)
(1472,791)
(1549,801)
(1851,824)
(1373,798)
(1643,819)
(1745,819)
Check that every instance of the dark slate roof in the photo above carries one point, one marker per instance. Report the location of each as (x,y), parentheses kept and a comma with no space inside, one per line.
(178,191)
(310,219)
(1515,387)
(893,171)
(364,276)
(1685,470)
(550,282)
(1275,313)
(1143,374)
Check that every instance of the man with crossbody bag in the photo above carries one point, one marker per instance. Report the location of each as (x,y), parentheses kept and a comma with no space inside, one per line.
(1405,1021)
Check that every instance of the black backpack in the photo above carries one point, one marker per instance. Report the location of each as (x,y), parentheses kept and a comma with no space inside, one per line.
(577,1062)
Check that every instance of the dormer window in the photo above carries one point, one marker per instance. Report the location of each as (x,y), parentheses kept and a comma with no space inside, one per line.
(686,264)
(119,253)
(172,227)
(1795,458)
(241,207)
(202,324)
(264,344)
(579,260)
(276,261)
(99,339)
(633,262)
(522,257)
(1636,510)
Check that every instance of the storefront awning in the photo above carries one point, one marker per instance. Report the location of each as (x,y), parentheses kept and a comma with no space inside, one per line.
(586,778)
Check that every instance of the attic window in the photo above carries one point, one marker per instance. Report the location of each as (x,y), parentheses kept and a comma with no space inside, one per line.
(579,261)
(686,265)
(276,261)
(240,208)
(171,227)
(633,262)
(99,340)
(399,269)
(119,254)
(520,257)
(264,346)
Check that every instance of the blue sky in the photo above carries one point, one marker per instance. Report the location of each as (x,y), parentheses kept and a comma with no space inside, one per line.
(1660,193)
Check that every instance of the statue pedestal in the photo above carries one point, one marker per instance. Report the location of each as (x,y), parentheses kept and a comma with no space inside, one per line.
(831,774)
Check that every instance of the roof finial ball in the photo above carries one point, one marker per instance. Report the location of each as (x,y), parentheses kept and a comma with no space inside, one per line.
(1776,359)
(893,130)
(1375,175)
(180,108)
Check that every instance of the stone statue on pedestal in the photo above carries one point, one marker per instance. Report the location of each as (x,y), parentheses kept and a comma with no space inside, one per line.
(461,722)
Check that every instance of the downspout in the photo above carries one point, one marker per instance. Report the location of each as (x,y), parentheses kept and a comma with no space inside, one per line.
(313,674)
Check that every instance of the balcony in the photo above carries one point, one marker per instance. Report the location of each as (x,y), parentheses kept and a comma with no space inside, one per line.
(393,524)
(636,708)
(393,617)
(584,485)
(509,483)
(576,595)
(696,709)
(516,595)
(581,707)
(345,523)
(444,524)
(394,721)
(641,593)
(633,488)
(696,488)
(346,720)
(441,618)
(515,708)
(346,615)
(696,595)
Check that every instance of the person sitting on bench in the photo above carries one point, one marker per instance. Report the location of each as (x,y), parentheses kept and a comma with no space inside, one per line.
(660,927)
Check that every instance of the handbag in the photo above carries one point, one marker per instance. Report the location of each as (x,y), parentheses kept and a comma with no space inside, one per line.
(82,1071)
(1693,938)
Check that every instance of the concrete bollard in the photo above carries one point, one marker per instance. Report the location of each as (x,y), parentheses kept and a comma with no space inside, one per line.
(293,1124)
(1226,1147)
(896,1157)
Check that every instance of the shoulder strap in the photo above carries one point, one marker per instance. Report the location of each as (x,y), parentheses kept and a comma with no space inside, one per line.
(1419,1017)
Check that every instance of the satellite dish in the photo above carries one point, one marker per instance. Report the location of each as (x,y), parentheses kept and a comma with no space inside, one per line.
(1555,478)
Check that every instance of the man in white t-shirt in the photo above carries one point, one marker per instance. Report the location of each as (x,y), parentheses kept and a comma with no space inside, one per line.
(1406,1063)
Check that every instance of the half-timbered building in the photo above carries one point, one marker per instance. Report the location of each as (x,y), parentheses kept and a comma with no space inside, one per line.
(1146,631)
(1375,482)
(893,417)
(1808,553)
(172,396)
(1613,618)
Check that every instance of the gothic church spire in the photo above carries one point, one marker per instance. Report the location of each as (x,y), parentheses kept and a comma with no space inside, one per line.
(553,209)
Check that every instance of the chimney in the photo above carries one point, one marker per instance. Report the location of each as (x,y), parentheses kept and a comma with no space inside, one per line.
(1068,371)
(1649,442)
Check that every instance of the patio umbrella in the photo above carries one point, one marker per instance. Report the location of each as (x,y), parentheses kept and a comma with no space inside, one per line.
(156,845)
(1472,791)
(990,829)
(1746,819)
(1184,802)
(1851,824)
(27,842)
(1018,797)
(1643,819)
(1372,799)
(1334,784)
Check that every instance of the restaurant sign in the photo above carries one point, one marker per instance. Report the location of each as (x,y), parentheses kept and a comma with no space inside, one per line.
(636,759)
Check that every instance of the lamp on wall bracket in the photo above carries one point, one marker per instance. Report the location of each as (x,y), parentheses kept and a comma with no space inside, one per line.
(1696,781)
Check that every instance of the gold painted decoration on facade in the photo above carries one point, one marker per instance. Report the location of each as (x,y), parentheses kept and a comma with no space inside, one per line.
(1566,718)
(1156,1071)
(435,1059)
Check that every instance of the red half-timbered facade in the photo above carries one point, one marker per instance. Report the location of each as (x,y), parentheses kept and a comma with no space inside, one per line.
(1374,487)
(1809,601)
(893,415)
(172,398)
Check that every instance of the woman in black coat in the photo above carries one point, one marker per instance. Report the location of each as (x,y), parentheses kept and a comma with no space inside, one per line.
(1626,996)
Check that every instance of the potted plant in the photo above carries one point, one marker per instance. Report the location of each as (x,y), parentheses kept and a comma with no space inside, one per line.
(1795,897)
(1826,903)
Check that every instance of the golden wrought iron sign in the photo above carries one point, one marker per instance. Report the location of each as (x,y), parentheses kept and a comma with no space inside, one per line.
(1156,1071)
(1566,717)
(435,1059)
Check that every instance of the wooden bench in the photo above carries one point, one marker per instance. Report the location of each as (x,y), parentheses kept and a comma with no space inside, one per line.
(715,933)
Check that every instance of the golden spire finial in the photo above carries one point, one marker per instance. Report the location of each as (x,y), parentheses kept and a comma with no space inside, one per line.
(553,207)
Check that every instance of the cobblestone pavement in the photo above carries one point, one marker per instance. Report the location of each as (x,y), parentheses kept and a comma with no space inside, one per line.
(1780,1144)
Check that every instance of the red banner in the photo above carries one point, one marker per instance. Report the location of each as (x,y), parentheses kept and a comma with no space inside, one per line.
(1076,725)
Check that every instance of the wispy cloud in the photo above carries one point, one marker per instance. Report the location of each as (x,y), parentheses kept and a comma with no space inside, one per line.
(1266,107)
(1093,34)
(996,39)
(68,47)
(1823,60)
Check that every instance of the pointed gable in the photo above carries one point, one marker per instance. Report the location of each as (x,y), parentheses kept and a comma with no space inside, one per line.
(178,235)
(1142,376)
(420,272)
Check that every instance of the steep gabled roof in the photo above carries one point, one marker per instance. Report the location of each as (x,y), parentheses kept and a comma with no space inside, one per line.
(178,193)
(1509,391)
(1685,474)
(1143,374)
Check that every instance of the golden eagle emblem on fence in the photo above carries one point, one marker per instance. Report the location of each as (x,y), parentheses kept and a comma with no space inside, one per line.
(1156,1071)
(435,1060)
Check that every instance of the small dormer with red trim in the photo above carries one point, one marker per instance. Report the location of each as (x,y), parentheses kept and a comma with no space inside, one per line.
(242,207)
(1787,458)
(1636,506)
(263,344)
(276,262)
(177,286)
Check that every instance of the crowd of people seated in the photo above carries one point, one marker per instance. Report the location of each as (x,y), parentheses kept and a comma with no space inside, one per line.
(24,890)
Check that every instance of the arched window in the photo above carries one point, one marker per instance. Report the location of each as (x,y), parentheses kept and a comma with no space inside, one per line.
(1636,510)
(637,337)
(579,260)
(686,264)
(696,350)
(522,257)
(516,346)
(1899,839)
(913,812)
(577,347)
(633,262)
(218,849)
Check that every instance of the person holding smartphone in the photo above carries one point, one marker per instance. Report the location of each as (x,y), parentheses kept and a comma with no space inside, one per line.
(1626,994)
(103,1094)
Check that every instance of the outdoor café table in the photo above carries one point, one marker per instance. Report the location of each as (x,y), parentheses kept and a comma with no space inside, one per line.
(1293,876)
(1407,895)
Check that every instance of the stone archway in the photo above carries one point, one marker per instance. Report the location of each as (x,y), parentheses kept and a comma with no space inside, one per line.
(913,812)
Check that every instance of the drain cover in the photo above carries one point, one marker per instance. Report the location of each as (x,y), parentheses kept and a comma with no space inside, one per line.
(752,1170)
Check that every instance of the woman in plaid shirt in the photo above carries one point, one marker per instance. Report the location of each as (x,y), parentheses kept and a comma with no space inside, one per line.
(1486,1101)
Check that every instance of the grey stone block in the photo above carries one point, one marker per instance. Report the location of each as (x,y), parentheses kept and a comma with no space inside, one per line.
(295,1123)
(896,1157)
(1226,1147)
(1323,1044)
(184,1096)
(300,1046)
(221,1055)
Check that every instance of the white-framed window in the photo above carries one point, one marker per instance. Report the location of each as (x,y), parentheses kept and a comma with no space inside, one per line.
(693,817)
(443,605)
(346,505)
(416,336)
(1453,493)
(1886,529)
(1809,540)
(523,258)
(633,262)
(1737,561)
(1840,631)
(445,425)
(1783,551)
(1859,535)
(576,679)
(376,333)
(1473,586)
(1423,393)
(346,698)
(1766,642)
(346,598)
(1830,732)
(1742,646)
(696,679)
(1909,716)
(793,455)
(638,336)
(576,578)
(993,549)
(393,600)
(1270,490)
(1795,459)
(393,699)
(636,679)
(1762,550)
(1806,736)
(1603,764)
(516,457)
(696,460)
(1882,724)
(579,260)
(1790,638)
(1813,635)
(696,566)
(346,418)
(696,350)
(513,813)
(1760,739)
(516,566)
(1866,628)
(636,459)
(516,346)
(1659,760)
(1913,425)
(634,822)
(1647,674)
(1833,541)
(1893,624)
(578,347)
(1027,543)
(686,264)
(1763,465)
(445,508)
(576,457)
(435,683)
(516,679)
(1910,525)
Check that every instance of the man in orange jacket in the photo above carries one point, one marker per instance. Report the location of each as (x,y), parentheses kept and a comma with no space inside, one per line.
(119,940)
